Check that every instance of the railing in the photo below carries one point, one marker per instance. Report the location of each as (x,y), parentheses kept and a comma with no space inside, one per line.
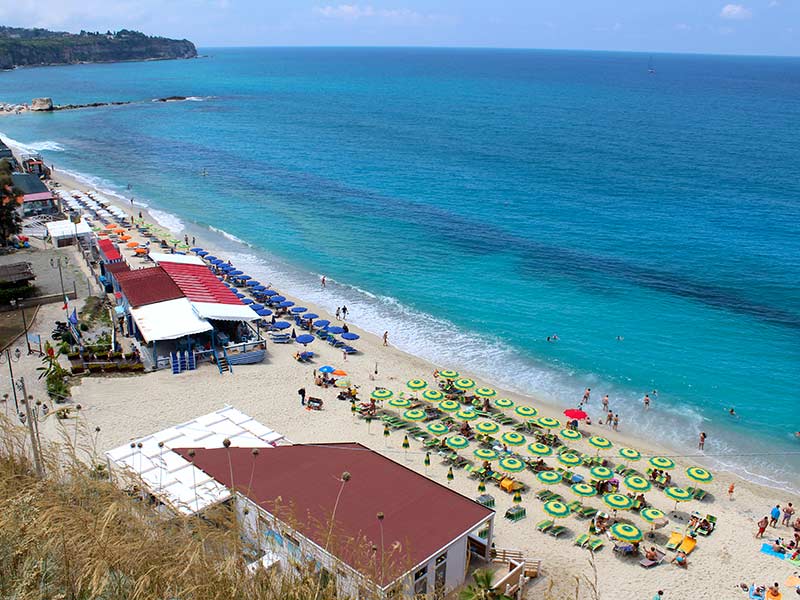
(533,566)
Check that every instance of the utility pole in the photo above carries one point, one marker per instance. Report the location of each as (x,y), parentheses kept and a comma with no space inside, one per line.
(25,325)
(37,459)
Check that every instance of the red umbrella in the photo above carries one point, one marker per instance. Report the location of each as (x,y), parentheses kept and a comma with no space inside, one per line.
(574,413)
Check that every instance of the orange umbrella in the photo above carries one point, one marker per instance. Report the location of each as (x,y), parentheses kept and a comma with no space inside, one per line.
(125,238)
(111,226)
(119,230)
(132,244)
(339,373)
(141,251)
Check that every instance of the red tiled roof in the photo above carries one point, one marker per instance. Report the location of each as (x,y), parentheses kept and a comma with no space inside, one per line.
(108,250)
(147,286)
(299,485)
(199,283)
(118,267)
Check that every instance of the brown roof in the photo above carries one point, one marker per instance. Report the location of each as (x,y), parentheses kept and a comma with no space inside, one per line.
(299,484)
(117,267)
(147,286)
(21,271)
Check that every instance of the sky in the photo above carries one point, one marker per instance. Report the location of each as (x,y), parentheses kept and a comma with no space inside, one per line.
(707,26)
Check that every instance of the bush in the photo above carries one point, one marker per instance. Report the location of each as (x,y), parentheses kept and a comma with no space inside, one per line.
(12,292)
(78,369)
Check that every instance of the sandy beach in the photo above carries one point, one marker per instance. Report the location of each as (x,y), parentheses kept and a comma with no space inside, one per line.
(128,407)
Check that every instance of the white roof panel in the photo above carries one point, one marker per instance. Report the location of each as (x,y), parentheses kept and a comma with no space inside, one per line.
(225,312)
(168,320)
(181,259)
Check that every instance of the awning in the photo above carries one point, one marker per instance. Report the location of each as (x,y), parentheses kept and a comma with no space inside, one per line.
(67,229)
(181,259)
(168,320)
(224,312)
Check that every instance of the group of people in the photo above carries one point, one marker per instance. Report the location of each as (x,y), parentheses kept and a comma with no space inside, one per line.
(784,515)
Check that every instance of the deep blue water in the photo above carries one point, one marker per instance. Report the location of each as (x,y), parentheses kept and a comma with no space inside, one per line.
(473,202)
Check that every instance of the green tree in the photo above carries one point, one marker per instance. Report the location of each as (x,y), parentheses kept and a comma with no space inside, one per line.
(10,219)
(481,587)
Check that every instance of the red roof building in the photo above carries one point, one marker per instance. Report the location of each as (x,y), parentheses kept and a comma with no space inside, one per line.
(422,540)
(107,250)
(147,286)
(199,284)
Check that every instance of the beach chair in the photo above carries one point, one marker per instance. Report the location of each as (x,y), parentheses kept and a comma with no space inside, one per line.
(557,530)
(649,564)
(688,544)
(596,544)
(544,526)
(545,495)
(675,540)
(697,493)
(516,513)
(587,512)
(582,540)
(712,520)
(575,505)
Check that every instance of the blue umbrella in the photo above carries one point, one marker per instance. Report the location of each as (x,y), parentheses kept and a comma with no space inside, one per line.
(236,273)
(239,294)
(197,250)
(259,288)
(210,257)
(246,300)
(243,277)
(350,336)
(263,312)
(326,369)
(217,261)
(226,267)
(269,293)
(201,253)
(335,329)
(322,323)
(308,316)
(252,283)
(304,339)
(256,307)
(281,325)
(286,304)
(299,309)
(277,299)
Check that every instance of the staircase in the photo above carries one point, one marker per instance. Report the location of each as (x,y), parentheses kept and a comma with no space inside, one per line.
(190,361)
(221,359)
(173,361)
(533,567)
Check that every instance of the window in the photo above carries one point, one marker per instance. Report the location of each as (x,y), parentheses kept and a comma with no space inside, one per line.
(421,581)
(440,575)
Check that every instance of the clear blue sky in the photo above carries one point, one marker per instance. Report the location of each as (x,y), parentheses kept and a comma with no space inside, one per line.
(738,27)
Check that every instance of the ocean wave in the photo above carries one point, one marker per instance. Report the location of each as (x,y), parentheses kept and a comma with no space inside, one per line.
(103,186)
(32,147)
(228,236)
(168,220)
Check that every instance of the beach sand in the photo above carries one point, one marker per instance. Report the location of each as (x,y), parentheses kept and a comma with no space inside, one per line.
(128,407)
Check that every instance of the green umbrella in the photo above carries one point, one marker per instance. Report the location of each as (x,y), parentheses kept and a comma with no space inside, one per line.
(517,497)
(427,460)
(485,454)
(503,403)
(538,449)
(382,394)
(511,464)
(512,438)
(651,514)
(569,459)
(487,427)
(448,374)
(486,392)
(583,489)
(678,494)
(599,442)
(405,442)
(629,454)
(464,384)
(570,434)
(626,532)
(548,477)
(438,428)
(618,501)
(466,414)
(662,462)
(548,422)
(417,384)
(556,509)
(399,403)
(450,474)
(526,411)
(699,474)
(481,486)
(457,442)
(449,406)
(602,473)
(415,414)
(433,395)
(637,484)
(385,431)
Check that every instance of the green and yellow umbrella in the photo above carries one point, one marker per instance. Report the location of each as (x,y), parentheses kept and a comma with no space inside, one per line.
(570,434)
(385,431)
(382,394)
(548,422)
(637,484)
(427,460)
(433,395)
(651,514)
(405,442)
(630,454)
(678,494)
(466,414)
(438,428)
(662,462)
(503,403)
(481,486)
(448,374)
(511,464)
(486,392)
(450,475)
(449,406)
(548,477)
(463,384)
(416,384)
(602,473)
(556,509)
(699,474)
(415,415)
(626,532)
(600,443)
(538,449)
(526,411)
(512,438)
(517,497)
(487,427)
(583,489)
(618,501)
(457,442)
(485,454)
(569,459)
(399,403)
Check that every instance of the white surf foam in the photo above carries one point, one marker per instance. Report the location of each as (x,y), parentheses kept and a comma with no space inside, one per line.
(229,236)
(168,220)
(31,147)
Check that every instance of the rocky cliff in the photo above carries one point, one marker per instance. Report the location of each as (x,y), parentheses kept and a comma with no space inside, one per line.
(30,47)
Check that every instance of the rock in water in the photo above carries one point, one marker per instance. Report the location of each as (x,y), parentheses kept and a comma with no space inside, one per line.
(42,104)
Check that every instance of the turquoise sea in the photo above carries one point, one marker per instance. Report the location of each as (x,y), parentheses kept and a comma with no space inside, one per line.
(473,202)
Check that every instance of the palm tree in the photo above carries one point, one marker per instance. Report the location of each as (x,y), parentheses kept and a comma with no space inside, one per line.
(481,587)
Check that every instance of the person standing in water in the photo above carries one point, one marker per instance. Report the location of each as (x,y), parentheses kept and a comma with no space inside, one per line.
(322,282)
(385,338)
(646,401)
(586,395)
(605,403)
(701,444)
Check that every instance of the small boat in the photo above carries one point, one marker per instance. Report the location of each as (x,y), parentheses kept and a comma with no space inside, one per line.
(650,68)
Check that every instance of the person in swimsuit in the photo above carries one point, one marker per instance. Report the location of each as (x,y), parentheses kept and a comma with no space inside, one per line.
(680,559)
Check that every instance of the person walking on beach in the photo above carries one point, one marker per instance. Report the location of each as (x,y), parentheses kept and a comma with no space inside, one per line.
(338,313)
(322,282)
(344,313)
(302,393)
(702,442)
(774,515)
(762,527)
(586,395)
(646,401)
(731,489)
(193,242)
(616,422)
(788,511)
(385,338)
(609,418)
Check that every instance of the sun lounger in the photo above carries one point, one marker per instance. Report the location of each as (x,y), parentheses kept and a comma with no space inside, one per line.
(649,564)
(575,505)
(516,513)
(582,540)
(557,530)
(544,526)
(625,549)
(544,495)
(596,544)
(587,512)
(689,544)
(697,493)
(675,540)
(712,520)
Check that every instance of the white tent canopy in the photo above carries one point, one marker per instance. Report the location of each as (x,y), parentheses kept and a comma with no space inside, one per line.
(168,320)
(58,230)
(225,312)
(181,259)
